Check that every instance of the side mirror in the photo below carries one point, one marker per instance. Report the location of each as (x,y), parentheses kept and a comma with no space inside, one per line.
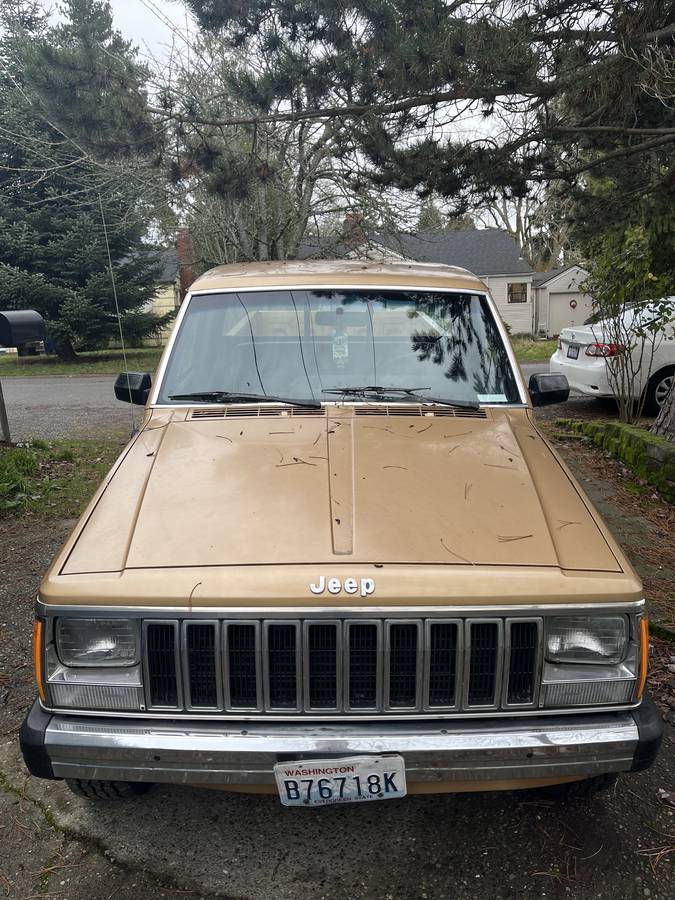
(546,389)
(133,387)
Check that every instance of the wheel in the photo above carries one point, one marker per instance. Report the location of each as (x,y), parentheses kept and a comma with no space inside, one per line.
(581,790)
(657,390)
(107,790)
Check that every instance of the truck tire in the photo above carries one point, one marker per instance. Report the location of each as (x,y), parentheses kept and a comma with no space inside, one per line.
(657,390)
(107,790)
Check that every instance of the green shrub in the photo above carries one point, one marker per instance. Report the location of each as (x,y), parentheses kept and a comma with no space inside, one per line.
(18,466)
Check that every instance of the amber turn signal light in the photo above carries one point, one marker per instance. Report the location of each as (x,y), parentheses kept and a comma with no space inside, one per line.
(37,659)
(644,655)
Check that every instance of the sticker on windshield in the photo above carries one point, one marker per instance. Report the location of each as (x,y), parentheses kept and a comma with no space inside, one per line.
(491,398)
(340,350)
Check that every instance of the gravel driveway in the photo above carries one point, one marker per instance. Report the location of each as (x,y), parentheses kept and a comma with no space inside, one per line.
(180,842)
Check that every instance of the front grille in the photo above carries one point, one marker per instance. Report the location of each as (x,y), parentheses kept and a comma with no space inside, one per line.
(342,667)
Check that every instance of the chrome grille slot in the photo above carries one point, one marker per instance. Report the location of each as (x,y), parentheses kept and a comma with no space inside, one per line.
(342,666)
(522,661)
(364,664)
(484,662)
(322,650)
(243,681)
(443,643)
(403,664)
(201,665)
(281,665)
(162,666)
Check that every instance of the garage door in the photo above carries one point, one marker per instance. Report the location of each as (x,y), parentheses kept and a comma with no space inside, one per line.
(562,315)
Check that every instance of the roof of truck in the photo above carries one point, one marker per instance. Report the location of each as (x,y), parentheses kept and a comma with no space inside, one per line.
(337,273)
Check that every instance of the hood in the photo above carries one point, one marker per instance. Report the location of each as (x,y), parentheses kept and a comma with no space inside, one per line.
(369,484)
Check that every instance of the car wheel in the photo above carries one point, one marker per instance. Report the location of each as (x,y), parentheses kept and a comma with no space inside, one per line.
(106,790)
(657,390)
(580,790)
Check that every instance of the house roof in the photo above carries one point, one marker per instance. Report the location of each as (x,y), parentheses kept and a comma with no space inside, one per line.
(170,265)
(485,251)
(540,278)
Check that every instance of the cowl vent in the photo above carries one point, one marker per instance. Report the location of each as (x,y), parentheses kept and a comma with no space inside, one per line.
(455,412)
(254,412)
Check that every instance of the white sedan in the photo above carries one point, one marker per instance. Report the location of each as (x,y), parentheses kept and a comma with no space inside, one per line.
(583,352)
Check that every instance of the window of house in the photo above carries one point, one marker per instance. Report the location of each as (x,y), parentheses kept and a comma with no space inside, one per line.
(517,292)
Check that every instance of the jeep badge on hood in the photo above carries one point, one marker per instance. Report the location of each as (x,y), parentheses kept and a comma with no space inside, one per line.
(364,586)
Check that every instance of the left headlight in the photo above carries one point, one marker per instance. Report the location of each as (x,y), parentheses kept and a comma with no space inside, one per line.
(97,642)
(586,639)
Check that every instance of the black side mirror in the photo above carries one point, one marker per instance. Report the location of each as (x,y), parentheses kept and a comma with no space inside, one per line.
(546,389)
(133,387)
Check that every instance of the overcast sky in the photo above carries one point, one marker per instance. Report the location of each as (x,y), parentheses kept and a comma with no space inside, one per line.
(141,21)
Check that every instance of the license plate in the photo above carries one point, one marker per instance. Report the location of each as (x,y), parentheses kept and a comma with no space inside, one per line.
(573,351)
(354,779)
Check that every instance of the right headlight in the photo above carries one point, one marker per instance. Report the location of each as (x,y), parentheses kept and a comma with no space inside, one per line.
(586,639)
(97,642)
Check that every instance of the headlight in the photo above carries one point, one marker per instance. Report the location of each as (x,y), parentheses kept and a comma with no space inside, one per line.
(586,639)
(97,642)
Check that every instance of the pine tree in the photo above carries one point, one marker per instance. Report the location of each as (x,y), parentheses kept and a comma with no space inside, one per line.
(430,218)
(594,79)
(53,256)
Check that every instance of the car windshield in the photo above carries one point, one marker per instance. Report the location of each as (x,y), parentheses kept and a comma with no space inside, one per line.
(307,344)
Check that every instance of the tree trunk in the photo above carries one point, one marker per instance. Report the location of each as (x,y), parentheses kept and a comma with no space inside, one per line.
(65,350)
(665,422)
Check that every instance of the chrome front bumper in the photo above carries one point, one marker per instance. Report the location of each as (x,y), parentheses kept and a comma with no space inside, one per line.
(222,753)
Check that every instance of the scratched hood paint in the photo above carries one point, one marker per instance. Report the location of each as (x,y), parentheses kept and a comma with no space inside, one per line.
(341,488)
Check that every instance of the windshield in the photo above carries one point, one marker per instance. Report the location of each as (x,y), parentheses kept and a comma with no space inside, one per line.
(304,344)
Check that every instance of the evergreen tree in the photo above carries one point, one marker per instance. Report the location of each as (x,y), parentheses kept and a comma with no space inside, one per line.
(430,218)
(53,256)
(594,78)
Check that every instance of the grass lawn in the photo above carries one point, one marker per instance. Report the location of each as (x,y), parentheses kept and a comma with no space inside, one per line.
(111,362)
(528,351)
(55,479)
(100,362)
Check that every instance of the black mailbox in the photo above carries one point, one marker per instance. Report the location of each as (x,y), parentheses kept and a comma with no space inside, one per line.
(21,326)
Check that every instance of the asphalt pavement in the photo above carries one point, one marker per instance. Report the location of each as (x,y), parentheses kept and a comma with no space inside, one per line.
(65,407)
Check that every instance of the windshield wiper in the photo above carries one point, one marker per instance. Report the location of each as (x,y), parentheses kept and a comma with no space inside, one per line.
(380,391)
(236,397)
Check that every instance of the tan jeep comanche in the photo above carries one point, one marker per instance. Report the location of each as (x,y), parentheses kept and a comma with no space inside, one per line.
(339,561)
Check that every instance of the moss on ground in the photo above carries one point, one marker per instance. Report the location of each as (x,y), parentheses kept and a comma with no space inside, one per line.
(651,457)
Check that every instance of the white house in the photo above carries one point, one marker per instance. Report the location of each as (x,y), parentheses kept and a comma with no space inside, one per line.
(560,301)
(489,253)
